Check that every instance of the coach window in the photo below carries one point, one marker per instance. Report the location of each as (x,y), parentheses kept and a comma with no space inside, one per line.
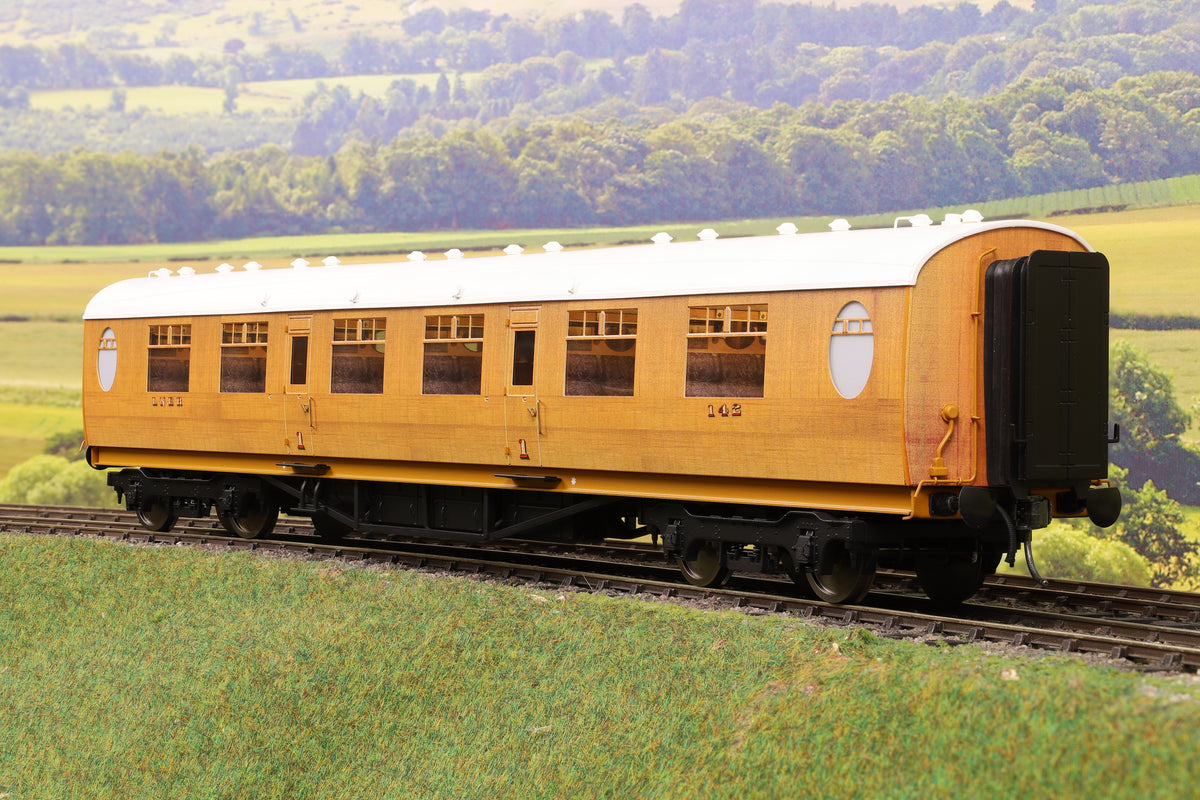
(453,362)
(727,350)
(601,348)
(358,350)
(243,357)
(106,359)
(170,358)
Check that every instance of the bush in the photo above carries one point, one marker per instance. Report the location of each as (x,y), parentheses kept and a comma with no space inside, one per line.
(53,480)
(65,444)
(1067,553)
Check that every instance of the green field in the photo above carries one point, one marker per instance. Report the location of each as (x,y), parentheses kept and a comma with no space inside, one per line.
(56,291)
(178,673)
(1152,254)
(123,261)
(279,96)
(40,367)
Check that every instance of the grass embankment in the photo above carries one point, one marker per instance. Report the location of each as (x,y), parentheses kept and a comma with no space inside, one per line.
(178,673)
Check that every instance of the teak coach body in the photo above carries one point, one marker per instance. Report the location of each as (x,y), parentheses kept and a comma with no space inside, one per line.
(815,404)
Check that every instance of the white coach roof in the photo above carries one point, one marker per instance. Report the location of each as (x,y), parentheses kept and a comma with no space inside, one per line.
(837,259)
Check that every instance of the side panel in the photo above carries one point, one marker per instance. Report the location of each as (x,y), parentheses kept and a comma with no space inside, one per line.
(801,428)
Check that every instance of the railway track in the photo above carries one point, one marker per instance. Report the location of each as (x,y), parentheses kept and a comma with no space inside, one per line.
(1135,627)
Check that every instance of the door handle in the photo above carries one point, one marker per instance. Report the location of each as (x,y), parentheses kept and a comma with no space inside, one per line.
(533,412)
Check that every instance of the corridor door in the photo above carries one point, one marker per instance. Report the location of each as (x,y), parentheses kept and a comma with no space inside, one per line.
(522,410)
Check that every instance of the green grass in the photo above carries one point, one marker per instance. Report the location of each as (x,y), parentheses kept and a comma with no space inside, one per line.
(162,673)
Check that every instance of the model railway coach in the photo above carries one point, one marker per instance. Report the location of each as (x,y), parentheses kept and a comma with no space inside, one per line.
(813,404)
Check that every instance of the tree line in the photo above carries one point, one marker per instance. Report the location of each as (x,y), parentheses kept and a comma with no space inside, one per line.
(471,40)
(850,157)
(741,50)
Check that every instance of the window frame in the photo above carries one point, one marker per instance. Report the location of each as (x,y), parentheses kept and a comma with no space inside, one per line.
(617,330)
(250,337)
(174,338)
(452,331)
(367,338)
(737,327)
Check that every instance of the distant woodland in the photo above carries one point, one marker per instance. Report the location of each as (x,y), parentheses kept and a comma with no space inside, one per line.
(729,108)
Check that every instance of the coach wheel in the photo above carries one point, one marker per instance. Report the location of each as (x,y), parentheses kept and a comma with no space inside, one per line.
(849,577)
(253,522)
(950,578)
(797,572)
(157,516)
(705,568)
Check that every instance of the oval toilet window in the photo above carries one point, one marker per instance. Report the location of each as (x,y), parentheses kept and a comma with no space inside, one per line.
(106,359)
(851,350)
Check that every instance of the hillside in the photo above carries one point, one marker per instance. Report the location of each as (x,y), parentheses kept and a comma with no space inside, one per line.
(473,119)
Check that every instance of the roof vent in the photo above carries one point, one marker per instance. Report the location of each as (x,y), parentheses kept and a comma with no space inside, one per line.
(331,261)
(299,263)
(160,273)
(187,272)
(972,216)
(662,238)
(552,247)
(917,221)
(707,235)
(514,250)
(454,252)
(839,225)
(787,229)
(225,268)
(252,266)
(953,219)
(416,255)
